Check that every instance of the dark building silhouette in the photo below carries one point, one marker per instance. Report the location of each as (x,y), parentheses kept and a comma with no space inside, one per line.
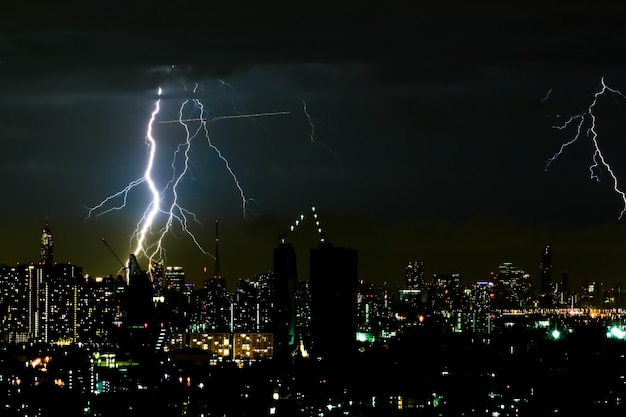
(565,282)
(217,251)
(333,285)
(140,322)
(284,312)
(545,278)
(139,304)
(140,327)
(545,275)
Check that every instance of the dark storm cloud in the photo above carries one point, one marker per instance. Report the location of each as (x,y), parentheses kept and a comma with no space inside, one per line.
(27,167)
(433,114)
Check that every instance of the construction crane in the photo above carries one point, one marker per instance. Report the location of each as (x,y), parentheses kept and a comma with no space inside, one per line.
(124,265)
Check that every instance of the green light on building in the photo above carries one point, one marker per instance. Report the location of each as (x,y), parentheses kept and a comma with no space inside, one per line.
(365,337)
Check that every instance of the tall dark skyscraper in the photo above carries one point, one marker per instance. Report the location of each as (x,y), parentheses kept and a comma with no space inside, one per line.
(333,284)
(139,330)
(284,313)
(545,277)
(139,306)
(47,255)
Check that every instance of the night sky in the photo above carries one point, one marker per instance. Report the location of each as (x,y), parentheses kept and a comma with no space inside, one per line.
(430,127)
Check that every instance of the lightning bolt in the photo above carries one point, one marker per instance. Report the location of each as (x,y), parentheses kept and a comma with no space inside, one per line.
(312,133)
(224,85)
(545,98)
(581,121)
(154,207)
(147,238)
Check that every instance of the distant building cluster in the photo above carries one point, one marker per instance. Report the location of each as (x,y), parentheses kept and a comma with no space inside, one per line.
(145,330)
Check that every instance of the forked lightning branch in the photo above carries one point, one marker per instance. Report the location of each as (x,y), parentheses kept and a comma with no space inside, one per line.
(163,211)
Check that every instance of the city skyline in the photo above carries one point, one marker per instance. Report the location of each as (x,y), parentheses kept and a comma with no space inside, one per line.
(397,273)
(420,133)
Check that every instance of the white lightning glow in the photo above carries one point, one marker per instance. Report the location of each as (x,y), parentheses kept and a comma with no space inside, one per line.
(154,207)
(586,122)
(545,98)
(164,207)
(164,212)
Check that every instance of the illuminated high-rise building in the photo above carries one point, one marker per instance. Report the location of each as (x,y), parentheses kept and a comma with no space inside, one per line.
(512,286)
(213,304)
(46,254)
(97,307)
(303,307)
(37,303)
(156,272)
(446,291)
(414,274)
(265,300)
(64,285)
(333,284)
(174,278)
(15,301)
(245,306)
(477,316)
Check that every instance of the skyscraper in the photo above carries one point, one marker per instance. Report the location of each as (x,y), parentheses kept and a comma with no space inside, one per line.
(64,283)
(174,278)
(546,269)
(139,306)
(414,274)
(213,299)
(46,254)
(139,330)
(37,303)
(333,284)
(545,277)
(284,313)
(15,302)
(512,286)
(213,302)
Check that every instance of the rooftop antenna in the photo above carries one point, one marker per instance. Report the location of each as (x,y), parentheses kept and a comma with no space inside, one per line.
(217,250)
